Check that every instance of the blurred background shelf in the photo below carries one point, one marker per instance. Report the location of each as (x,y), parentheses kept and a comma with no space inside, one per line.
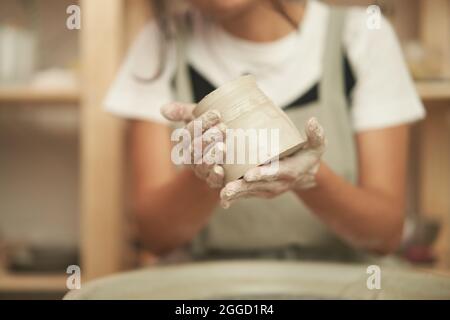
(434,90)
(21,94)
(33,282)
(428,90)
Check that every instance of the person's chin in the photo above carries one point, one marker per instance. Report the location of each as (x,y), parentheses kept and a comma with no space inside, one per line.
(227,14)
(231,4)
(229,9)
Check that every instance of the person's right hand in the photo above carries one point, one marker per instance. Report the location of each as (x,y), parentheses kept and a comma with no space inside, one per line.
(207,150)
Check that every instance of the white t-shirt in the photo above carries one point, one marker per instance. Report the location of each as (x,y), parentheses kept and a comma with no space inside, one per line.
(384,94)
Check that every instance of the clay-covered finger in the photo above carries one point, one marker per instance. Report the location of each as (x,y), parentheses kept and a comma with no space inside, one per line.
(204,122)
(202,144)
(269,172)
(242,189)
(226,203)
(315,134)
(227,198)
(214,134)
(214,156)
(216,177)
(178,111)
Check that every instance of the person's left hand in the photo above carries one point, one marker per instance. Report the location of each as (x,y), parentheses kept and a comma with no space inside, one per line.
(295,172)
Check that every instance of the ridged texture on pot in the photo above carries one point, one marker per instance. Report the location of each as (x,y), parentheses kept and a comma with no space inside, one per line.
(244,106)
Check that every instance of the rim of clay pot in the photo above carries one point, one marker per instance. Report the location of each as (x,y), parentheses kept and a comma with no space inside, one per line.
(229,88)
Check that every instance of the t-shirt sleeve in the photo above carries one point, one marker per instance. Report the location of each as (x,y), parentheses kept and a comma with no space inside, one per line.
(384,94)
(133,94)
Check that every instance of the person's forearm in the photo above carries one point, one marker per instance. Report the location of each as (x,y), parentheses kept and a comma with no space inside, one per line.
(364,218)
(172,214)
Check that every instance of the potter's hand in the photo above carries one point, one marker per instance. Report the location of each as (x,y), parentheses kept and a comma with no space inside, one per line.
(208,149)
(295,172)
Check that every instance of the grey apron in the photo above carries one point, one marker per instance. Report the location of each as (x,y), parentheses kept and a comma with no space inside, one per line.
(283,227)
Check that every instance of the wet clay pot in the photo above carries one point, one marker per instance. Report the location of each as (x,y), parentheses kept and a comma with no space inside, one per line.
(248,111)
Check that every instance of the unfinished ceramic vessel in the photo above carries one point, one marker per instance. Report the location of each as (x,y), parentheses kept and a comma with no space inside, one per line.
(249,112)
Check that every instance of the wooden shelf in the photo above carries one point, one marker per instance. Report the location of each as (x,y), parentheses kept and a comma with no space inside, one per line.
(428,90)
(33,95)
(434,90)
(32,282)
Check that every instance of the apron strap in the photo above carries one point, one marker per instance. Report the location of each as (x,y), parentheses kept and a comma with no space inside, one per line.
(332,89)
(333,74)
(183,85)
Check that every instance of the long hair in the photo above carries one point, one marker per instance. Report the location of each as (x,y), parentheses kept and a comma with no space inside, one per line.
(163,19)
